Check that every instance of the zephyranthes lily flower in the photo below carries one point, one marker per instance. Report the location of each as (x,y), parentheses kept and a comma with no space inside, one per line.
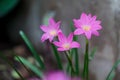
(87,25)
(66,43)
(51,30)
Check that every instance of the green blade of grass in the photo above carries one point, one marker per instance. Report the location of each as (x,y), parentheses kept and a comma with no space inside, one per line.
(30,46)
(30,66)
(57,57)
(110,75)
(92,53)
(10,64)
(75,51)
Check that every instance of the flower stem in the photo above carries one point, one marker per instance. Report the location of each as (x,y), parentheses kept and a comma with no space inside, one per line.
(57,57)
(86,62)
(70,62)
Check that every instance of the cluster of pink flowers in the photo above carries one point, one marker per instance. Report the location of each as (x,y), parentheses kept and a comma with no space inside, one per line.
(86,25)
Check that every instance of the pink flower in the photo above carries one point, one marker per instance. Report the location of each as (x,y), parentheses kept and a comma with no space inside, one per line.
(51,30)
(56,76)
(66,43)
(87,25)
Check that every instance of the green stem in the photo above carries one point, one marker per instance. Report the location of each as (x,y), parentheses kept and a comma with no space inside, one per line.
(86,62)
(70,62)
(57,57)
(77,62)
(12,65)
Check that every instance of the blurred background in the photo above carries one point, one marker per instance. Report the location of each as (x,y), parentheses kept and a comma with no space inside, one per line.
(28,15)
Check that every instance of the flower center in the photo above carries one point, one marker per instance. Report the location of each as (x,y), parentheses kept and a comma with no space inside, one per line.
(66,45)
(86,27)
(53,33)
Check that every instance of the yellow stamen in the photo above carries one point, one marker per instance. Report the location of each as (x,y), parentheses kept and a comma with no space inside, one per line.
(66,45)
(53,33)
(86,27)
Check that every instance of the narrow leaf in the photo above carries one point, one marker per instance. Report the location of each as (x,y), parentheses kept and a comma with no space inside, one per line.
(92,53)
(57,57)
(110,75)
(30,65)
(75,51)
(12,65)
(30,46)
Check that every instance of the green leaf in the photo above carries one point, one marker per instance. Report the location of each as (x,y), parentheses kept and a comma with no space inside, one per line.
(10,64)
(30,46)
(30,66)
(92,53)
(57,57)
(15,74)
(6,6)
(111,75)
(75,51)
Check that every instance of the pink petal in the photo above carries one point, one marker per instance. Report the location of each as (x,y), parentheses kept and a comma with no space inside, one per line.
(58,25)
(88,34)
(76,23)
(75,44)
(44,28)
(83,17)
(61,49)
(61,37)
(78,31)
(70,37)
(44,37)
(59,31)
(95,33)
(51,38)
(57,44)
(51,21)
(89,15)
(94,18)
(96,27)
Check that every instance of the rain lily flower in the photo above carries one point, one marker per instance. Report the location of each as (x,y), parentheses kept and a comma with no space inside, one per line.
(87,25)
(66,43)
(51,30)
(56,76)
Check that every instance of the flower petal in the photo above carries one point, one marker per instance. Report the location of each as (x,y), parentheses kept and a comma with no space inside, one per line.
(75,44)
(83,17)
(76,23)
(44,37)
(51,38)
(61,37)
(78,31)
(95,33)
(44,28)
(70,37)
(51,21)
(61,49)
(96,27)
(57,43)
(58,25)
(88,34)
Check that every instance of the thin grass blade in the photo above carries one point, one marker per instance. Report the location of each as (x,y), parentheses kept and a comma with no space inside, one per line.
(30,66)
(110,75)
(30,46)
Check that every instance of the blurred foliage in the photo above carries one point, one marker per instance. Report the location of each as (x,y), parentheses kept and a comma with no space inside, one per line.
(6,6)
